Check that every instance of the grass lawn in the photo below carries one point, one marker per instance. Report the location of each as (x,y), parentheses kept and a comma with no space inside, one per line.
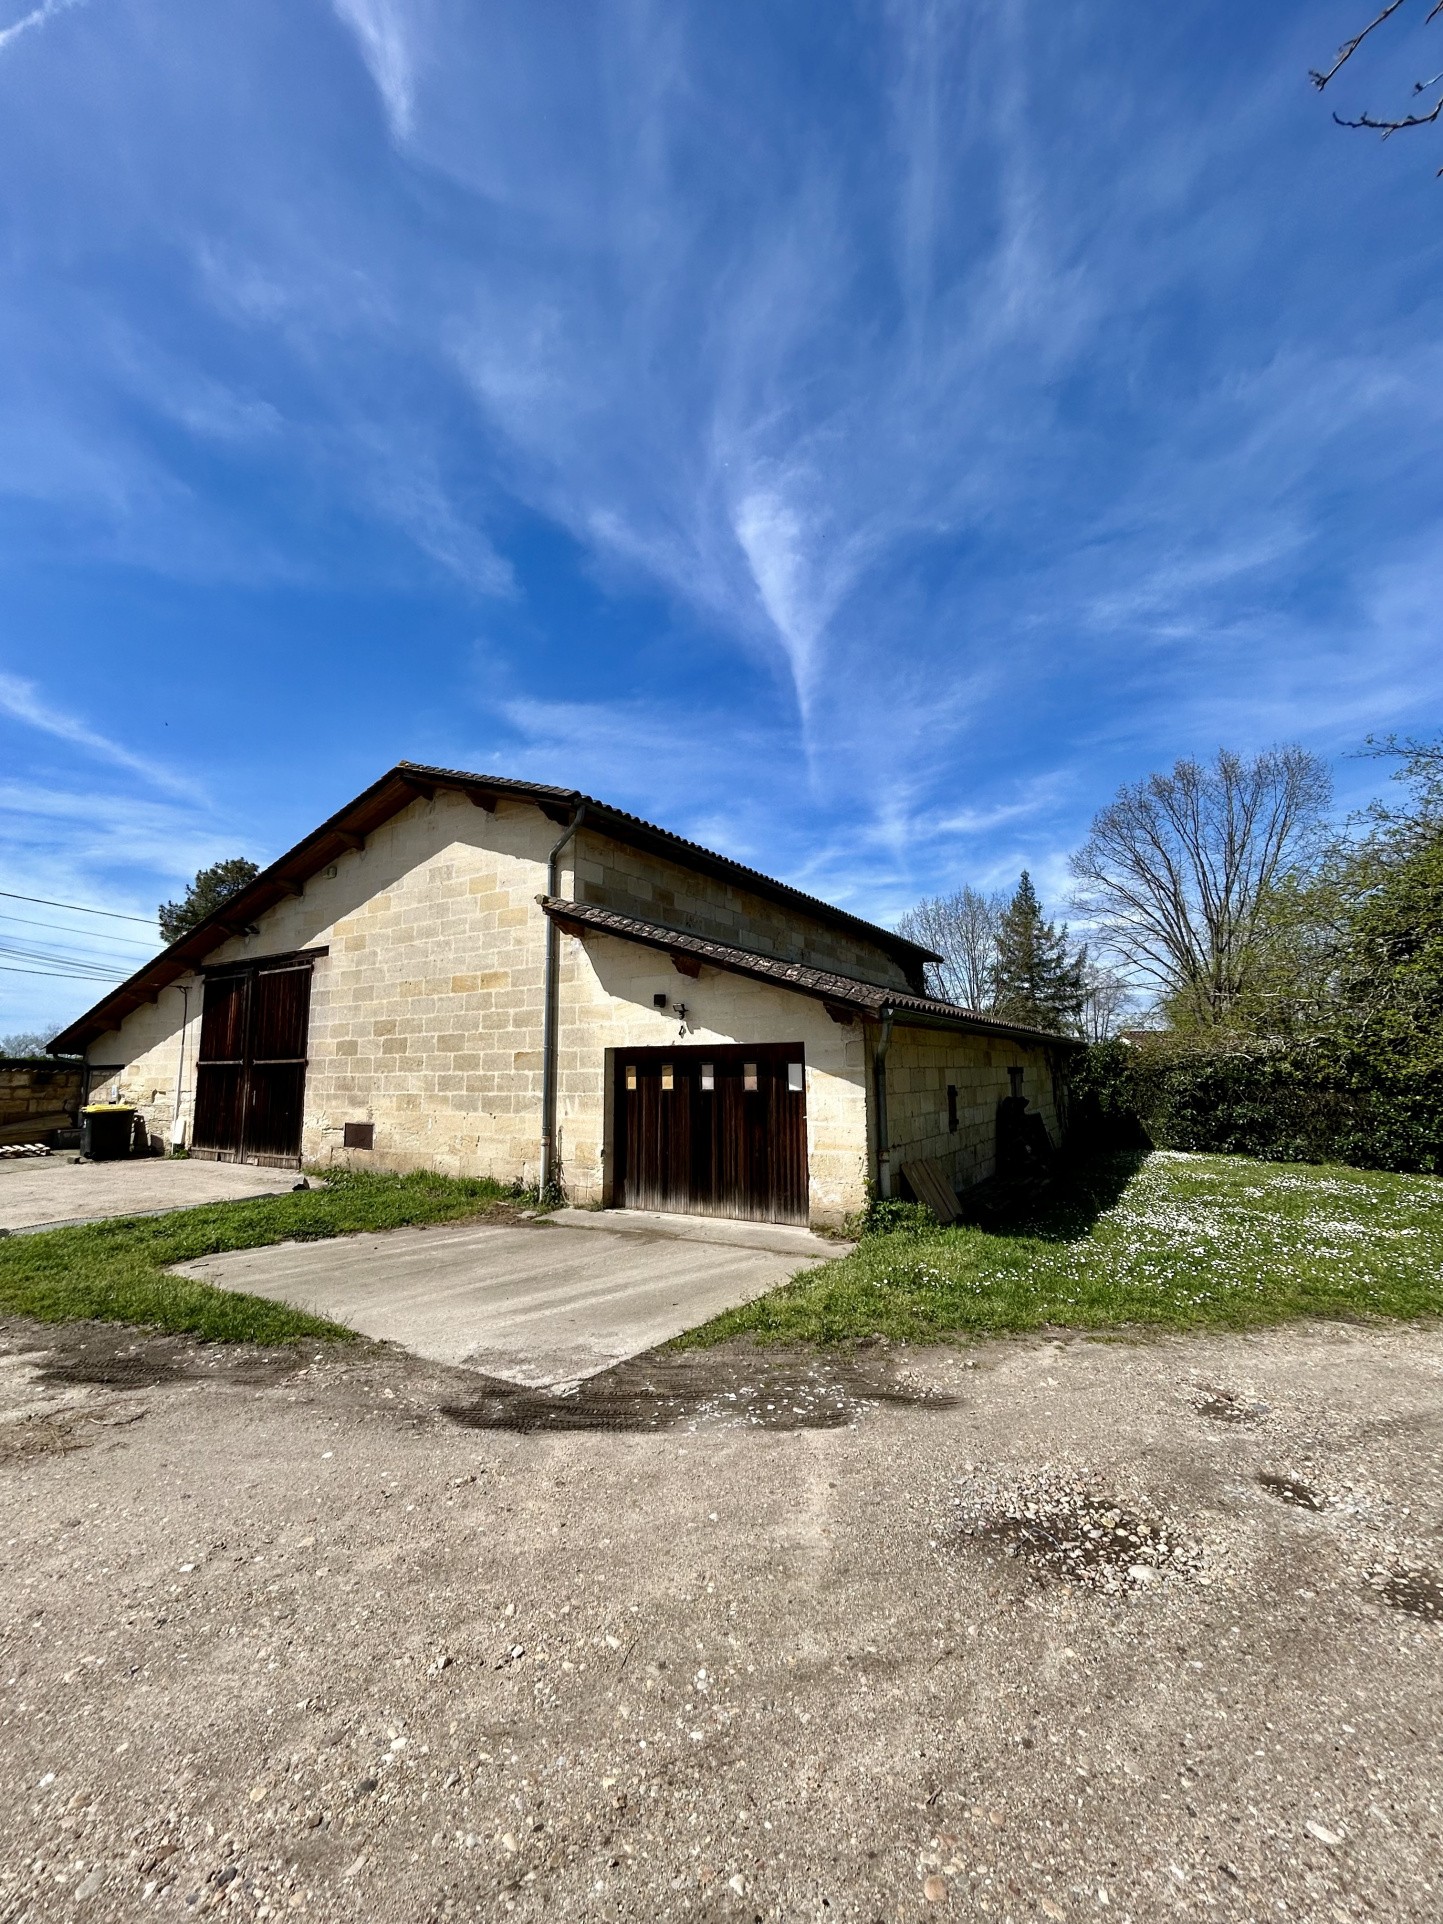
(116,1271)
(1168,1241)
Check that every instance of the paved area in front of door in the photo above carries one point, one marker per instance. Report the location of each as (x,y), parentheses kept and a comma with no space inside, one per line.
(46,1191)
(535,1303)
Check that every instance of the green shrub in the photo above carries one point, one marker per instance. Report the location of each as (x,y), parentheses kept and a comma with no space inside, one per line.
(1318,1099)
(885,1215)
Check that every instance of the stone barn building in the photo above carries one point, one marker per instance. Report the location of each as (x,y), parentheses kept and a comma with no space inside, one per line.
(492,977)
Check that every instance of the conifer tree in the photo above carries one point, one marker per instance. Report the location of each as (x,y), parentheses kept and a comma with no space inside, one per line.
(211,889)
(1036,978)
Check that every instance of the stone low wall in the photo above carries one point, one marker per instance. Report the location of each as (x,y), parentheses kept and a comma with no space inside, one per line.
(37,1098)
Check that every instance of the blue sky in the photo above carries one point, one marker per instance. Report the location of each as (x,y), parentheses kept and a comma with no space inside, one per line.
(856,436)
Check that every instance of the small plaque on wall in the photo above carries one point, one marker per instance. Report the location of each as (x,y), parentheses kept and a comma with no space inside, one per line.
(360,1135)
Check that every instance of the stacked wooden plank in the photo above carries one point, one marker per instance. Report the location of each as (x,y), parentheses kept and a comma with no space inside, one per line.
(930,1185)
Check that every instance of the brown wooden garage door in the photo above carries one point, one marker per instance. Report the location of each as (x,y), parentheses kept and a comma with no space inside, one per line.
(250,1087)
(713,1132)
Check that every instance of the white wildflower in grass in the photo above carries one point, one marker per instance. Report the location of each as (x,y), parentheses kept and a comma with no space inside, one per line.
(1172,1239)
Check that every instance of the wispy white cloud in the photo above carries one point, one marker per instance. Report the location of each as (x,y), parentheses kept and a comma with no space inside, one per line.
(401,481)
(642,755)
(35,18)
(22,701)
(381,30)
(56,840)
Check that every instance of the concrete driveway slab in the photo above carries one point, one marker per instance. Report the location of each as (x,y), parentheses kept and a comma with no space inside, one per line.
(537,1303)
(786,1239)
(50,1191)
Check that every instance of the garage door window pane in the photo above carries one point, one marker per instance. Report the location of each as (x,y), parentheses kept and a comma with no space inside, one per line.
(708,1076)
(666,1081)
(631,1075)
(794,1077)
(749,1076)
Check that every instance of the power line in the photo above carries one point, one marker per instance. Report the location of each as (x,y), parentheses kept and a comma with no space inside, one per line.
(67,975)
(82,958)
(146,921)
(75,970)
(24,952)
(101,967)
(66,928)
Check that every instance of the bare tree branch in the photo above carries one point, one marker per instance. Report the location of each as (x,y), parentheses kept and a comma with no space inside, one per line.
(1374,122)
(962,928)
(1350,47)
(1386,127)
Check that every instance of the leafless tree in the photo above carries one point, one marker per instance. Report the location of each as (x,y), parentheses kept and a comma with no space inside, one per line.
(1419,117)
(962,928)
(1108,997)
(1179,872)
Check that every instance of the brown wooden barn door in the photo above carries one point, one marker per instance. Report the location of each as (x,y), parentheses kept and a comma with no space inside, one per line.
(251,1075)
(280,1020)
(220,1077)
(713,1131)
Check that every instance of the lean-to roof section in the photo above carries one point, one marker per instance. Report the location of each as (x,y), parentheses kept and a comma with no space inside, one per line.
(845,996)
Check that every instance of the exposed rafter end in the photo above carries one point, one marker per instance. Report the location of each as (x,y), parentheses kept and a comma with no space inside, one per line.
(290,888)
(557,812)
(423,791)
(840,1013)
(567,927)
(482,798)
(348,838)
(685,964)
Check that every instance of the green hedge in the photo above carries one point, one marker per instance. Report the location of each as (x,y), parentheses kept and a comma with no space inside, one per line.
(1323,1099)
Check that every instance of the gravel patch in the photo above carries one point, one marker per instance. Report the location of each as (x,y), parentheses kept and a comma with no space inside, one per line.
(1065,1526)
(1288,1489)
(1227,1406)
(1418,1593)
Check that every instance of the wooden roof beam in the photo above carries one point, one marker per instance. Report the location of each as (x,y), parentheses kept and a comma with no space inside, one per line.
(348,838)
(482,798)
(685,964)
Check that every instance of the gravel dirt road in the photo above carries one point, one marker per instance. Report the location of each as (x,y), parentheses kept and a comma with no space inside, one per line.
(1038,1630)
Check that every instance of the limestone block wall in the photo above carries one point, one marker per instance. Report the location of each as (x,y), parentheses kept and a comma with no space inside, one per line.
(920,1065)
(138,1062)
(425,1008)
(37,1097)
(606,991)
(613,876)
(426,1014)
